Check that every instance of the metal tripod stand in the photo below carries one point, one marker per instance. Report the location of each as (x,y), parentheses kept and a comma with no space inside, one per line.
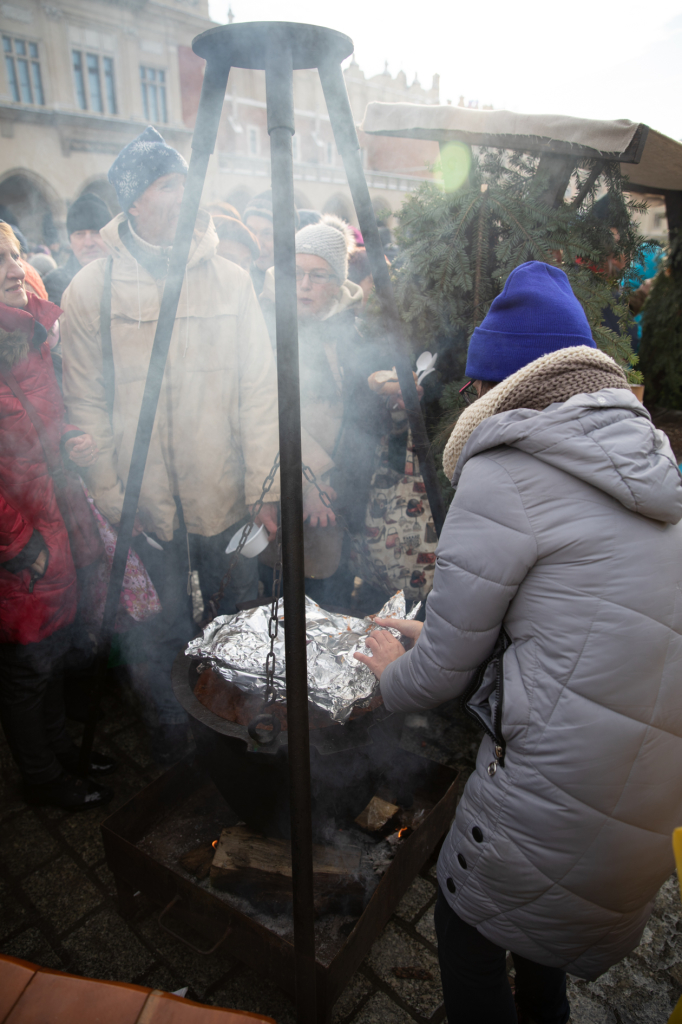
(278,48)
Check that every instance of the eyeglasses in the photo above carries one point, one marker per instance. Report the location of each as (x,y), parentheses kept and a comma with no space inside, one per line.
(469,392)
(316,276)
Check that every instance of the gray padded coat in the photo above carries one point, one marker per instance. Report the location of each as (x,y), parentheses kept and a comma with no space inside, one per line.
(563,537)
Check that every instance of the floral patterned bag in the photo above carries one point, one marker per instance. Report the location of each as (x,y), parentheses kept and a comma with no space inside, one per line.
(139,599)
(398,549)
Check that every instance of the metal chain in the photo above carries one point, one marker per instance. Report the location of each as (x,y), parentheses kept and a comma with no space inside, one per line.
(324,497)
(216,598)
(273,623)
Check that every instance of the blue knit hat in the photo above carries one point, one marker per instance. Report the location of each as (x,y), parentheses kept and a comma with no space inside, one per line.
(536,313)
(140,163)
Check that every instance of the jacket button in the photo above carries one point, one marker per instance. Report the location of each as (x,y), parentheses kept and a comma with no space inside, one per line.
(492,768)
(462,861)
(477,834)
(451,885)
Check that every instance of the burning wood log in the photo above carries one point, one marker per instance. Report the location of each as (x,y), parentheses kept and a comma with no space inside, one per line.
(376,814)
(260,868)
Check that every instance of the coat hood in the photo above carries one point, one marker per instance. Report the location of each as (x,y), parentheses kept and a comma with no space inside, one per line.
(204,242)
(606,439)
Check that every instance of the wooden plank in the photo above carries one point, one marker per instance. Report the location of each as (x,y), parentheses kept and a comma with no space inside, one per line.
(244,855)
(376,814)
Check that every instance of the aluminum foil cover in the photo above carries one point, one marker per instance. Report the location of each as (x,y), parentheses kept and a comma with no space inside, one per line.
(236,646)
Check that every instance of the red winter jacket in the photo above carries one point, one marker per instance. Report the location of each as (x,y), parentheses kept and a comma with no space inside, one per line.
(27,497)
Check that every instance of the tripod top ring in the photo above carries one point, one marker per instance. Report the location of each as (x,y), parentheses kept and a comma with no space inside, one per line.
(246,45)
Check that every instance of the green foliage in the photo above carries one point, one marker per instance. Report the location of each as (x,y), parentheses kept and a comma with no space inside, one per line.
(458,248)
(661,348)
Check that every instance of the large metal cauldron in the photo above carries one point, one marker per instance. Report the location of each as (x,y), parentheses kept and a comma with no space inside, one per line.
(346,761)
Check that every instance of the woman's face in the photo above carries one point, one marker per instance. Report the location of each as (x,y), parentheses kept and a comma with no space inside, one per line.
(317,286)
(12,290)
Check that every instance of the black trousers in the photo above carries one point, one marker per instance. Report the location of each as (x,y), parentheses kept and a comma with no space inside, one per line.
(474,978)
(32,705)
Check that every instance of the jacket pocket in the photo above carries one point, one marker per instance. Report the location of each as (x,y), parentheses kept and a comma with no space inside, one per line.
(484,699)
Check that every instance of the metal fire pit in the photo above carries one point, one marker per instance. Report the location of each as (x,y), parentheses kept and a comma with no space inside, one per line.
(346,761)
(145,839)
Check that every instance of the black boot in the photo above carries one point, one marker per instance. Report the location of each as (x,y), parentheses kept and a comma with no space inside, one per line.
(67,792)
(99,765)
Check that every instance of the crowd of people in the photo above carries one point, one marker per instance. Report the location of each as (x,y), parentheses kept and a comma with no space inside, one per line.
(214,442)
(562,836)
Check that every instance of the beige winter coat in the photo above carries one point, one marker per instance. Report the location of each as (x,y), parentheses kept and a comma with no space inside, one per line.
(215,435)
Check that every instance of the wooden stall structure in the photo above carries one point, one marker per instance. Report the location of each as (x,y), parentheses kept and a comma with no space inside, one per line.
(651,161)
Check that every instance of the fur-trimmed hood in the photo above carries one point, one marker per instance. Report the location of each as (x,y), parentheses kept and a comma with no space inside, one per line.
(21,329)
(605,438)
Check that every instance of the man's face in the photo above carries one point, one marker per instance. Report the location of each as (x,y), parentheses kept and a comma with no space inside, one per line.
(235,252)
(87,246)
(12,291)
(155,213)
(316,286)
(261,227)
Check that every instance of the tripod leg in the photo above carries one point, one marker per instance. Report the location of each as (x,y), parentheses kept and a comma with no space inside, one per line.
(203,142)
(280,100)
(341,116)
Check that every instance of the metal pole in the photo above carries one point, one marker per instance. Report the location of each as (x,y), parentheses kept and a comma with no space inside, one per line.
(279,85)
(343,125)
(203,142)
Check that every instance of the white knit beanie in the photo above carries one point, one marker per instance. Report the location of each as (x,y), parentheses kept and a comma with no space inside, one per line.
(327,242)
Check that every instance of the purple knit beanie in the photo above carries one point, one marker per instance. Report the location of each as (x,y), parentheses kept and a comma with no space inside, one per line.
(536,313)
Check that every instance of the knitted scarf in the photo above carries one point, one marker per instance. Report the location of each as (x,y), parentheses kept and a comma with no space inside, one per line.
(552,378)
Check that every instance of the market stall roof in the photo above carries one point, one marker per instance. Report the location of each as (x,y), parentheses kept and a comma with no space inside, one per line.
(651,161)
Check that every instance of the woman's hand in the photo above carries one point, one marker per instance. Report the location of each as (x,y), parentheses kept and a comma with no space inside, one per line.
(410,628)
(385,383)
(82,450)
(40,565)
(267,517)
(385,648)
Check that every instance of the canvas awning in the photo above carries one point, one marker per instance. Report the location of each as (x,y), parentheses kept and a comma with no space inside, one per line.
(651,161)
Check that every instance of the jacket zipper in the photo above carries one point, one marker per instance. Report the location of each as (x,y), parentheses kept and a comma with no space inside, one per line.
(496,732)
(500,744)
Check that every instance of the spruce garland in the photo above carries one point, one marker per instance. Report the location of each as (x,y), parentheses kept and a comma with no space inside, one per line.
(459,247)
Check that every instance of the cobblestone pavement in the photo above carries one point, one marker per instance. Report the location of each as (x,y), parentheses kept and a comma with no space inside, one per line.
(57,908)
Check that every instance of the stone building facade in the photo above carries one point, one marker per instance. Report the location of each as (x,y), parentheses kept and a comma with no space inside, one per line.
(81,78)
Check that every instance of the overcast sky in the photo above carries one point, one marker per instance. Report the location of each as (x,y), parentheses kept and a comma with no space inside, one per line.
(599,59)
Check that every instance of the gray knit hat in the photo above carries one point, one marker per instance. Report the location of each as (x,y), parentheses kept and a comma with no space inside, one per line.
(327,242)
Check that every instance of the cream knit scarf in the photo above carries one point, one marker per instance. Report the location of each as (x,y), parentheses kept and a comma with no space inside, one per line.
(552,378)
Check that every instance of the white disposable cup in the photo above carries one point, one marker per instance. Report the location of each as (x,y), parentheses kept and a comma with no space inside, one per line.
(257,541)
